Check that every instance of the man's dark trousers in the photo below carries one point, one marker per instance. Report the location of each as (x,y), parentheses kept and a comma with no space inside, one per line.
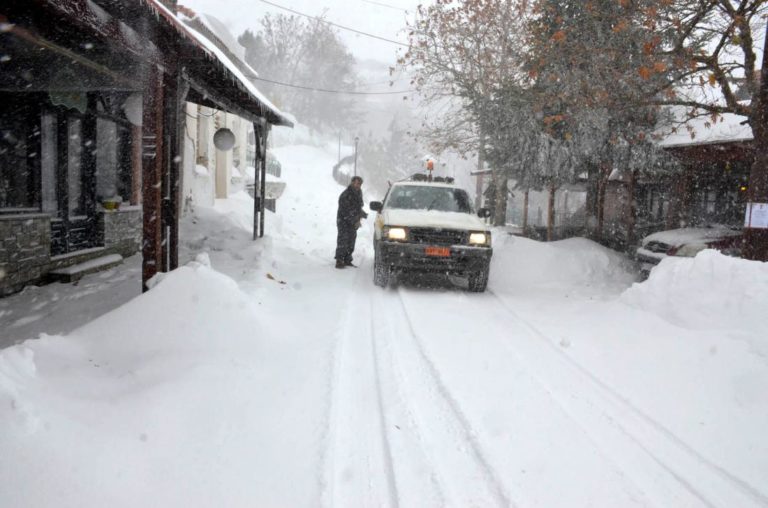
(345,242)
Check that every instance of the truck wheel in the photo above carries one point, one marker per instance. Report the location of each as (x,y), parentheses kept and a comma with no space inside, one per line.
(380,272)
(478,281)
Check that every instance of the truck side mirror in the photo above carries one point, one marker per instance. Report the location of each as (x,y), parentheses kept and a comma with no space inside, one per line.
(376,206)
(484,213)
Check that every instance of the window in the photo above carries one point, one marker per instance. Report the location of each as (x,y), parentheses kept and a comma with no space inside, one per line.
(20,134)
(423,197)
(113,159)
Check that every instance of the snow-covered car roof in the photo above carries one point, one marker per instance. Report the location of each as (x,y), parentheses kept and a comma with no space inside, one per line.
(426,184)
(682,236)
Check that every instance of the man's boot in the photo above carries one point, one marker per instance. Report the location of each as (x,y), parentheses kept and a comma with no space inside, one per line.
(339,264)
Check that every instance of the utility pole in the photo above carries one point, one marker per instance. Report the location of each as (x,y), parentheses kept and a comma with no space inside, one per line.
(357,139)
(756,220)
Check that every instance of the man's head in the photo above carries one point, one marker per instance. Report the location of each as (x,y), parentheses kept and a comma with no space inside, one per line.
(356,182)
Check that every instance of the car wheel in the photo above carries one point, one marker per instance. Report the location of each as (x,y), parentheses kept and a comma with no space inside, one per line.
(478,281)
(380,271)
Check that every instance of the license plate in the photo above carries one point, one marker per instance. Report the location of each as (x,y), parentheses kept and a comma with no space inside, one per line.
(442,252)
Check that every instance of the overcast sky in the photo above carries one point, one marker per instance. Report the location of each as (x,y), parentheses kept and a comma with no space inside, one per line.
(385,18)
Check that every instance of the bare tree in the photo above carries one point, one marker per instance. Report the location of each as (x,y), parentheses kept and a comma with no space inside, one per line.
(461,54)
(311,55)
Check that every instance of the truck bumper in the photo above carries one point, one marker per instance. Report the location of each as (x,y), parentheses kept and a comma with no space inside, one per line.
(413,258)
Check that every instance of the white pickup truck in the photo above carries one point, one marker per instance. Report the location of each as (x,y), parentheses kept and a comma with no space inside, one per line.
(427,226)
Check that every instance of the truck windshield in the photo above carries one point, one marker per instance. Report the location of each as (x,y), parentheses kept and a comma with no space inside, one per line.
(423,197)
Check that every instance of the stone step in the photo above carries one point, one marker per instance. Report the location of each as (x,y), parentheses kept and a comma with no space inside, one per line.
(76,272)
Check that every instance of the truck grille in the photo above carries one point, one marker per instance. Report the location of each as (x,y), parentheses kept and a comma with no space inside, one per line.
(435,236)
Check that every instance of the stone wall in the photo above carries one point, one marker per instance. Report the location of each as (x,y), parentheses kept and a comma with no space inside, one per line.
(25,245)
(122,230)
(25,250)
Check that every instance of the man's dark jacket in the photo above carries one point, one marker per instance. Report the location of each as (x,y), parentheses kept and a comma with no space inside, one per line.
(350,208)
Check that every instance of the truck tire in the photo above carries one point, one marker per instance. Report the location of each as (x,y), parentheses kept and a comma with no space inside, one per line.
(380,271)
(478,281)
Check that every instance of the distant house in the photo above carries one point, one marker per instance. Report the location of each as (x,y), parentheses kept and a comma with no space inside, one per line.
(91,131)
(710,187)
(210,173)
(715,157)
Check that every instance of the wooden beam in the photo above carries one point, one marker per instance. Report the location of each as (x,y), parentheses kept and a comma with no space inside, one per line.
(182,89)
(88,162)
(257,128)
(169,134)
(263,182)
(136,164)
(152,164)
(62,175)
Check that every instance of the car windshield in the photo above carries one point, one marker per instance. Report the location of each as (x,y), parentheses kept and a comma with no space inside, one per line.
(423,197)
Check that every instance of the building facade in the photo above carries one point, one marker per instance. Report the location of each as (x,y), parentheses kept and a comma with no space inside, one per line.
(91,131)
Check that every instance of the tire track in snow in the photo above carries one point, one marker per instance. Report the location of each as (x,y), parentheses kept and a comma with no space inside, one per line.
(450,443)
(682,462)
(356,465)
(415,472)
(559,412)
(391,479)
(327,462)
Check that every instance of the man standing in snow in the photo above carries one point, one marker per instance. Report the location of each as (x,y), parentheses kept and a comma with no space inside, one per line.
(348,219)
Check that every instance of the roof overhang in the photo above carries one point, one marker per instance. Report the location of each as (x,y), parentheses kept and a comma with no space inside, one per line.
(213,74)
(131,35)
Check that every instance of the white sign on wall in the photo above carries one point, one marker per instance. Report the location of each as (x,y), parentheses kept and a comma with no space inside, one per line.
(756,216)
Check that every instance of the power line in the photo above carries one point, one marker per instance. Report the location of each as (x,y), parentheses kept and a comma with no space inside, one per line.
(348,92)
(334,24)
(385,5)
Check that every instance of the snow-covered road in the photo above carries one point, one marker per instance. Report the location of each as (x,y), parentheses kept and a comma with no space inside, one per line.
(271,379)
(442,398)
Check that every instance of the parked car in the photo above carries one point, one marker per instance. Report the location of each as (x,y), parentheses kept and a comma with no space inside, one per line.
(429,226)
(687,242)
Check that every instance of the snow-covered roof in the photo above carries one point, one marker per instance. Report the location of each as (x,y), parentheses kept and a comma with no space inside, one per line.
(210,46)
(214,27)
(215,53)
(703,130)
(220,30)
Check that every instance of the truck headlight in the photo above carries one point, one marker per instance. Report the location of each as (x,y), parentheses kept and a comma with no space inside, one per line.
(398,234)
(479,239)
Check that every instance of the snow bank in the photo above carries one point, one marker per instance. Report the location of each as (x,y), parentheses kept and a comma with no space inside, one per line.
(709,291)
(237,210)
(574,262)
(99,416)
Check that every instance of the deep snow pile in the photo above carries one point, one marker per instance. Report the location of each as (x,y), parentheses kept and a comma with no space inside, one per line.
(125,401)
(192,394)
(575,262)
(709,291)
